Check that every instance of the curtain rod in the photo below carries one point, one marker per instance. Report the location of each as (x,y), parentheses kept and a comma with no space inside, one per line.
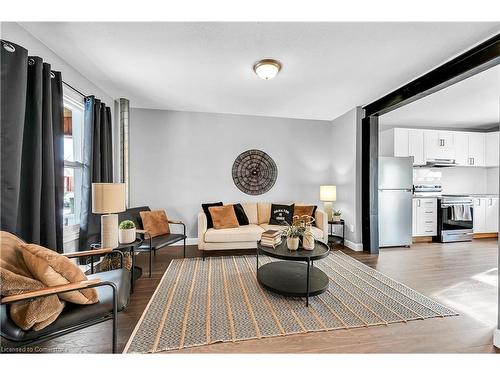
(75,90)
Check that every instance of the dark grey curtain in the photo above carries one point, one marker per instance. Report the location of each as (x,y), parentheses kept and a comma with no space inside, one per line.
(32,148)
(98,165)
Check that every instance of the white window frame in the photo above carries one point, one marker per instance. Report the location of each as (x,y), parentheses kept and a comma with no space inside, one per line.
(71,232)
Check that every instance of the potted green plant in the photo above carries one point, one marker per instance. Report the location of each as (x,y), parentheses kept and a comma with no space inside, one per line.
(336,215)
(126,233)
(293,232)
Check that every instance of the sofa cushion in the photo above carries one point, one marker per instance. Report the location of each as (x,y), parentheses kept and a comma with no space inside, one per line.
(240,214)
(281,213)
(54,269)
(244,233)
(264,212)
(317,233)
(251,211)
(155,222)
(205,207)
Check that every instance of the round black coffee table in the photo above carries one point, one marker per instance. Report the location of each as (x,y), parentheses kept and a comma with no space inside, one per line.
(296,276)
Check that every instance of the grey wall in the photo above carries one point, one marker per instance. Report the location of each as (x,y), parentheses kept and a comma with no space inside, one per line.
(179,160)
(345,148)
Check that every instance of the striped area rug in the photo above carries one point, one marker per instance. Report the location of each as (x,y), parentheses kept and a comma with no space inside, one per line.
(219,300)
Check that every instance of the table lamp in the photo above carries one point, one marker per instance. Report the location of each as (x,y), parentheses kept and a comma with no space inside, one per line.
(328,194)
(107,200)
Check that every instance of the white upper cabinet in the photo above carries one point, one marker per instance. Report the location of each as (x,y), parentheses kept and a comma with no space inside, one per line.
(462,148)
(401,142)
(492,141)
(467,148)
(439,144)
(477,149)
(416,146)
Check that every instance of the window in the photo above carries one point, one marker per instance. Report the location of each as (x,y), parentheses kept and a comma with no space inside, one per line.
(73,162)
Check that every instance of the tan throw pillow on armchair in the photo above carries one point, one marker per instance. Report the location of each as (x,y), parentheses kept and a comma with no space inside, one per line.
(54,269)
(155,222)
(224,217)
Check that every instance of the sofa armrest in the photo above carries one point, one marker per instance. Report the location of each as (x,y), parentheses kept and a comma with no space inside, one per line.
(51,290)
(322,223)
(88,253)
(202,228)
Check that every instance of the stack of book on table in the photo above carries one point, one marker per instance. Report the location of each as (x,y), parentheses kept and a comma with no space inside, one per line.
(271,238)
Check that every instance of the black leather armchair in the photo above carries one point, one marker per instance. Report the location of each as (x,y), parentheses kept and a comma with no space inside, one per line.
(113,288)
(151,244)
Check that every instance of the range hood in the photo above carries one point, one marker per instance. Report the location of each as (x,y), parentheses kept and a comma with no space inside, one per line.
(440,163)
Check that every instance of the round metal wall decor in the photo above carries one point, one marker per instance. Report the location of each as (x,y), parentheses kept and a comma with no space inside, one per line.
(254,172)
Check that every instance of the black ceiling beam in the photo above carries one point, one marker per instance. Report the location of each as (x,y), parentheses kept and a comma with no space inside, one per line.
(475,60)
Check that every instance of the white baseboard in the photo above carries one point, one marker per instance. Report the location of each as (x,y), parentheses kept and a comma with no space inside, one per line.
(189,241)
(496,338)
(354,246)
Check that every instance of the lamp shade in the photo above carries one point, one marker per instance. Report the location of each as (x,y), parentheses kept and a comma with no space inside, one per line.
(108,198)
(328,193)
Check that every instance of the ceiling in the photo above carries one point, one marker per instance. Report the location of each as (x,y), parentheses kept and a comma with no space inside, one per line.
(473,103)
(328,68)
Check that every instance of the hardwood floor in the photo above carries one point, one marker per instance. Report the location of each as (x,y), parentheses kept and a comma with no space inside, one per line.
(461,276)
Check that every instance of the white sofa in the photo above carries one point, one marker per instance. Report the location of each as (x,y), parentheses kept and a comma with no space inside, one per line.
(246,236)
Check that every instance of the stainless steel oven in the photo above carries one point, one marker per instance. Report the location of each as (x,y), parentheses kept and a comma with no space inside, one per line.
(455,218)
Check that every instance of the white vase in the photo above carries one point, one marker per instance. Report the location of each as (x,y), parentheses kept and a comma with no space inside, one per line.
(337,218)
(126,235)
(292,243)
(308,239)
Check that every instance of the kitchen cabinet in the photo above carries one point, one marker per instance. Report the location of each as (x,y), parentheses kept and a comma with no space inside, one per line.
(476,149)
(492,141)
(424,217)
(466,148)
(401,142)
(439,144)
(416,146)
(485,215)
(470,149)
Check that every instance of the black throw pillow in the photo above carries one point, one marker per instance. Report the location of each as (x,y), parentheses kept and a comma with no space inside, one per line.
(281,214)
(240,214)
(205,206)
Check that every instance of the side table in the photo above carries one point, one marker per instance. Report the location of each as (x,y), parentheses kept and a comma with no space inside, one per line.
(135,272)
(333,238)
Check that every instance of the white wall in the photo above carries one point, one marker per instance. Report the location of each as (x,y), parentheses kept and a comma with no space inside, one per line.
(179,160)
(492,180)
(464,180)
(345,149)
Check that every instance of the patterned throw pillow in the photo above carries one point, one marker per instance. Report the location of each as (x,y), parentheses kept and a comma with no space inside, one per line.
(281,214)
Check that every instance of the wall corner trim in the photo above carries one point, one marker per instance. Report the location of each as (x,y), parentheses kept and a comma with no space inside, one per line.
(496,338)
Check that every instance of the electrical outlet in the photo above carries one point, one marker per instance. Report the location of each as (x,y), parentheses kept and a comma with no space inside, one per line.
(351,228)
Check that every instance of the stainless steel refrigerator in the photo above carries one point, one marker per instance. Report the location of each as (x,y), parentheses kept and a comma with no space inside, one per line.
(395,184)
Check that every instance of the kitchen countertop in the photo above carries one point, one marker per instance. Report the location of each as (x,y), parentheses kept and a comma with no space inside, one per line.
(484,195)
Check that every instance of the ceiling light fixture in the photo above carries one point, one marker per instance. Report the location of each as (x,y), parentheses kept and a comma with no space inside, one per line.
(267,69)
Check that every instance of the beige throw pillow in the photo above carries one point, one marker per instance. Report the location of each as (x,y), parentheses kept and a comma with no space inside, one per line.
(224,217)
(54,269)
